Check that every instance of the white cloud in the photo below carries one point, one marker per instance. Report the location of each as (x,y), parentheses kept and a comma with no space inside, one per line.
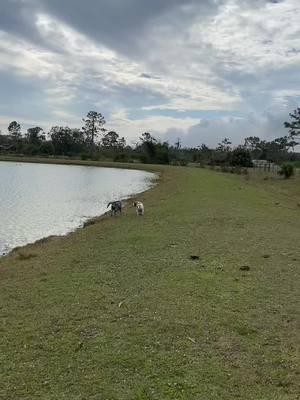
(267,126)
(158,125)
(251,39)
(228,55)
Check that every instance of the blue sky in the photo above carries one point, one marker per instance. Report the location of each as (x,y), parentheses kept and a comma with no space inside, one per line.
(198,70)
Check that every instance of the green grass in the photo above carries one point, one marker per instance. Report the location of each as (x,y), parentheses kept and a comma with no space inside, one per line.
(119,310)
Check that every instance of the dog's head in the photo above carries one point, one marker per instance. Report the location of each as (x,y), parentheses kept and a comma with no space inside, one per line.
(134,204)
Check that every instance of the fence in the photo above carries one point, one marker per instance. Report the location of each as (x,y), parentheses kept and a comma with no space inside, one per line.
(265,166)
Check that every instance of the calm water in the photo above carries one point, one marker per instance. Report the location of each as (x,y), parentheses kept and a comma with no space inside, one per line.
(39,200)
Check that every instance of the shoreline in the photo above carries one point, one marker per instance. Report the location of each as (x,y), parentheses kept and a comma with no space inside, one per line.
(89,163)
(154,181)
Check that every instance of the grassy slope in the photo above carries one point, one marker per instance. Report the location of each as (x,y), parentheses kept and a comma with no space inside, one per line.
(119,311)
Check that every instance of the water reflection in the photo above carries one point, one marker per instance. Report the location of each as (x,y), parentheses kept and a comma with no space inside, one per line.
(38,200)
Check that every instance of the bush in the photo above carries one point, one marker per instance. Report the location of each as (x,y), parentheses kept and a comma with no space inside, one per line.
(240,157)
(174,162)
(96,157)
(182,163)
(84,156)
(121,157)
(287,170)
(224,168)
(31,149)
(144,159)
(47,148)
(162,157)
(236,170)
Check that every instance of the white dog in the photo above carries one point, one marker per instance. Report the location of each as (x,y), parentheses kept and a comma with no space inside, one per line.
(140,209)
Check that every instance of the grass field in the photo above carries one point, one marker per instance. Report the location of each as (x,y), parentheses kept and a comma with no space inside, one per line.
(120,310)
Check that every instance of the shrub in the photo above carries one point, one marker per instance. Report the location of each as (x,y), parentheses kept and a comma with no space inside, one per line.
(96,157)
(144,159)
(287,170)
(236,170)
(241,157)
(224,168)
(84,156)
(47,148)
(31,149)
(182,162)
(121,157)
(174,162)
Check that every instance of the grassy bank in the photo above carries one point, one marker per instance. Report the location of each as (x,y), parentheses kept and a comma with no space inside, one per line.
(120,310)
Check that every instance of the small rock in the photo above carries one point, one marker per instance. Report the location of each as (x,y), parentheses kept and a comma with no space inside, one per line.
(245,268)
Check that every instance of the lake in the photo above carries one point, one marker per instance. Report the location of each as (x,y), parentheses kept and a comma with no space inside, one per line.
(39,200)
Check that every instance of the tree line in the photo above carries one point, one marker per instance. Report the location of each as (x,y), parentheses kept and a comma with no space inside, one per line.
(93,141)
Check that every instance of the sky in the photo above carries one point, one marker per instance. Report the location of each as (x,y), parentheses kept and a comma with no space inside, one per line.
(198,70)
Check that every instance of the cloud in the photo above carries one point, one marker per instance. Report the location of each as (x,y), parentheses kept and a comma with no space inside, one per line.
(155,64)
(122,25)
(267,125)
(158,125)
